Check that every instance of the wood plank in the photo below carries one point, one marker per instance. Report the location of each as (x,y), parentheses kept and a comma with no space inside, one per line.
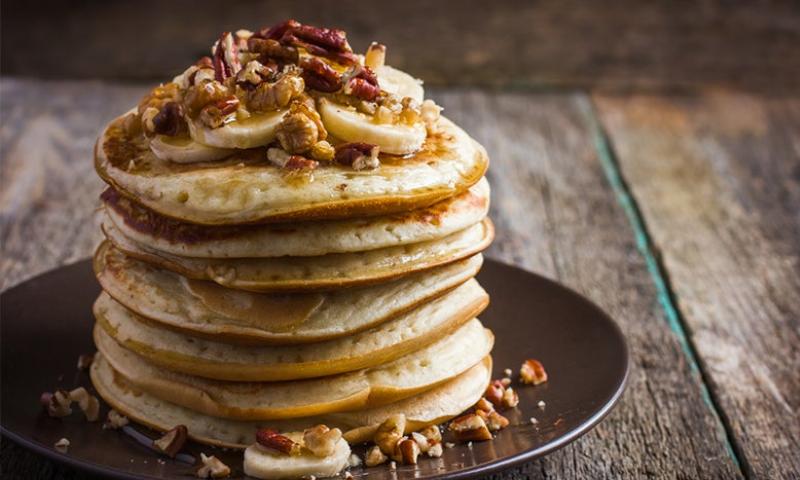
(554,211)
(717,178)
(516,43)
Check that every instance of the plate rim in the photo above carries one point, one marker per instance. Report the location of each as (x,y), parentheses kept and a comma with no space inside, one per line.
(491,467)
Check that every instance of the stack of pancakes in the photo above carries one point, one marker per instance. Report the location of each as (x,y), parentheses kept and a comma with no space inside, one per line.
(238,296)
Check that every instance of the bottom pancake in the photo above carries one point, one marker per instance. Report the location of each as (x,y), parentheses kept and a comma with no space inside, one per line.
(432,407)
(407,376)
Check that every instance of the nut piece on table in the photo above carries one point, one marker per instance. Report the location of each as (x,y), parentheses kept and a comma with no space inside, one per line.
(321,440)
(58,404)
(89,404)
(270,438)
(532,372)
(115,420)
(470,427)
(375,456)
(62,445)
(494,393)
(510,398)
(435,451)
(408,451)
(85,361)
(422,441)
(172,442)
(390,432)
(212,467)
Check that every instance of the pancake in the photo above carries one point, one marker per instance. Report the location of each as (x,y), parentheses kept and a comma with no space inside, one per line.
(298,239)
(408,375)
(246,188)
(429,408)
(384,343)
(206,309)
(325,272)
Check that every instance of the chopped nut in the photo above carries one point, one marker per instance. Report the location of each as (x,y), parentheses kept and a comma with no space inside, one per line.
(62,445)
(268,48)
(435,451)
(541,404)
(299,162)
(383,116)
(358,155)
(362,83)
(169,120)
(534,421)
(494,421)
(422,441)
(254,73)
(449,445)
(273,96)
(409,451)
(212,467)
(375,456)
(226,57)
(532,372)
(89,404)
(198,96)
(323,151)
(376,55)
(410,113)
(270,438)
(505,381)
(507,372)
(321,440)
(390,432)
(172,442)
(58,404)
(115,420)
(510,398)
(85,361)
(484,405)
(470,427)
(392,465)
(297,133)
(494,393)
(432,434)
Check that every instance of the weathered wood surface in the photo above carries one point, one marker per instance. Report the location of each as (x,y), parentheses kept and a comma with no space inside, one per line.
(518,43)
(717,177)
(554,210)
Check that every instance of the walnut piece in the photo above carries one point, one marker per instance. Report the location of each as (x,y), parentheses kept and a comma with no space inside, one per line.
(323,151)
(470,427)
(321,440)
(375,456)
(173,441)
(271,439)
(297,133)
(390,432)
(532,372)
(268,97)
(212,467)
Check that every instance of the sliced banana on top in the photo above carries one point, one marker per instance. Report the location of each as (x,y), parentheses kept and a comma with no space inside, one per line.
(185,150)
(399,83)
(353,126)
(258,130)
(259,462)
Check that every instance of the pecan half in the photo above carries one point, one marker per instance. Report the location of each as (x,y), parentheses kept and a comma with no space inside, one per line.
(277,31)
(318,75)
(226,57)
(172,441)
(358,155)
(270,438)
(532,372)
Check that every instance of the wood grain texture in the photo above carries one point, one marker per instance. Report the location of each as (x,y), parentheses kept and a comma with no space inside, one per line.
(517,43)
(554,210)
(717,177)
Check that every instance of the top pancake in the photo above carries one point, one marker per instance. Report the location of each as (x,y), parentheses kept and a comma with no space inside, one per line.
(245,188)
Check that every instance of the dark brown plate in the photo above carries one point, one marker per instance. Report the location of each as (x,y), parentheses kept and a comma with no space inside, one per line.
(46,325)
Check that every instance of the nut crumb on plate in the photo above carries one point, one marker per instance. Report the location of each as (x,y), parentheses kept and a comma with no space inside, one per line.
(62,445)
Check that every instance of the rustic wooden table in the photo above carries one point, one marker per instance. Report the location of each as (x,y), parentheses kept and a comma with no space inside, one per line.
(679,215)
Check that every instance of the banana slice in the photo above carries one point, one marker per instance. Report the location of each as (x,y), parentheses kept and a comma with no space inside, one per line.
(259,462)
(185,150)
(256,131)
(399,83)
(353,126)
